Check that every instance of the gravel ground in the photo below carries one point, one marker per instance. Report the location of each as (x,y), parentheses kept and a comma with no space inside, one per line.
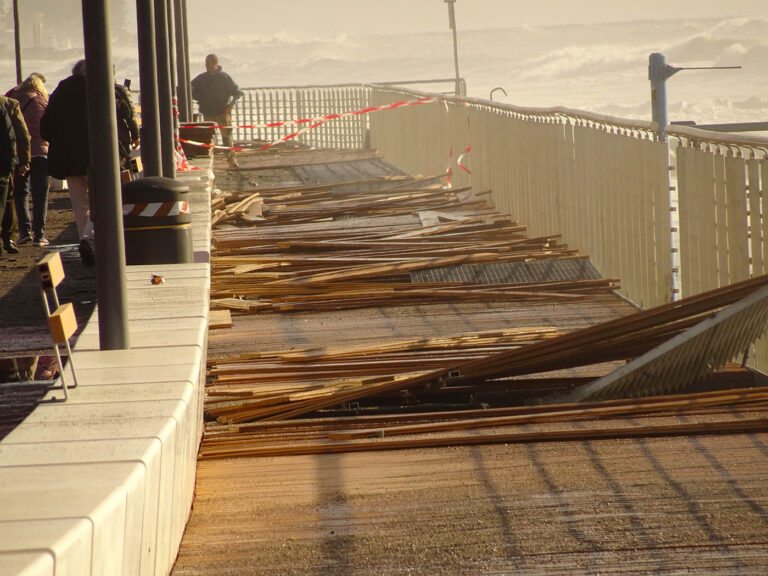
(23,326)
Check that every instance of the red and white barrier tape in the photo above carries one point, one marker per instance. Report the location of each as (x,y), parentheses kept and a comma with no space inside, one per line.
(212,146)
(321,119)
(460,159)
(306,123)
(182,164)
(462,156)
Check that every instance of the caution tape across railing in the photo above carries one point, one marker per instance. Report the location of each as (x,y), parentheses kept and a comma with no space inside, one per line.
(305,123)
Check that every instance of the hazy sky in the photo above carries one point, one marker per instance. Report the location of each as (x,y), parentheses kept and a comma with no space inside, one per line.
(332,17)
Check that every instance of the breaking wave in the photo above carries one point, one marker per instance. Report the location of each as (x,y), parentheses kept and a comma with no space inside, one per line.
(600,67)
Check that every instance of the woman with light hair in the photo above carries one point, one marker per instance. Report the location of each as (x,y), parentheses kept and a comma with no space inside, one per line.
(33,100)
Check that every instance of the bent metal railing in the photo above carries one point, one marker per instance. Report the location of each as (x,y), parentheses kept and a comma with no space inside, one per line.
(601,182)
(722,185)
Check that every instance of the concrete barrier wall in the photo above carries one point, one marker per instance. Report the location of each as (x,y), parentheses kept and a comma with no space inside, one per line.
(103,484)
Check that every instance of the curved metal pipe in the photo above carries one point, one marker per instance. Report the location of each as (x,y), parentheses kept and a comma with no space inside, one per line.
(494,90)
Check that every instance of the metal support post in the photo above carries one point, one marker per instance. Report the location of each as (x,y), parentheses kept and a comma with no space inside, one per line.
(17,41)
(150,113)
(105,178)
(181,71)
(172,67)
(188,86)
(165,96)
(658,72)
(171,20)
(459,88)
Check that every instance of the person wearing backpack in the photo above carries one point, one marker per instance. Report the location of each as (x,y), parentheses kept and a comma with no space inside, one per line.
(14,157)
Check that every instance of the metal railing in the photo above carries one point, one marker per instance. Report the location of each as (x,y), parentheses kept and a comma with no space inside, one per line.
(600,181)
(269,104)
(261,106)
(722,186)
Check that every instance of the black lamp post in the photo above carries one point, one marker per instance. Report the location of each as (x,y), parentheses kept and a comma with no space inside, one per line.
(17,40)
(104,179)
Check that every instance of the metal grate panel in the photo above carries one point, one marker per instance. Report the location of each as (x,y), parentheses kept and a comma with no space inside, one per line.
(512,272)
(688,357)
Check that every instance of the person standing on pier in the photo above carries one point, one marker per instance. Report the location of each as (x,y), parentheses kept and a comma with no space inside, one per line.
(127,125)
(14,158)
(216,94)
(33,100)
(65,126)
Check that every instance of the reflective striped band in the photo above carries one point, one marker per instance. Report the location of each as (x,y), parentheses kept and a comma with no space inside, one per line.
(166,227)
(150,209)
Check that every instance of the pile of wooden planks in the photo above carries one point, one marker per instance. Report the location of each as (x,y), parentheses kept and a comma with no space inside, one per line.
(342,377)
(720,412)
(270,383)
(316,249)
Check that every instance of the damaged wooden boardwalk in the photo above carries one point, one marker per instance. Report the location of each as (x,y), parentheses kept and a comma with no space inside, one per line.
(372,311)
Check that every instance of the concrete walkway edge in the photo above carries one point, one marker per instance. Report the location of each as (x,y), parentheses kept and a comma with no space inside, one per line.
(103,484)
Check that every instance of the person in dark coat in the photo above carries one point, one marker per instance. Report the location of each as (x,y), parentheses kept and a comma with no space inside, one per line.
(33,100)
(14,160)
(127,126)
(216,94)
(65,126)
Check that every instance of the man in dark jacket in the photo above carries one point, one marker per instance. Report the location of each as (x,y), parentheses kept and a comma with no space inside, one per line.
(65,126)
(14,157)
(216,94)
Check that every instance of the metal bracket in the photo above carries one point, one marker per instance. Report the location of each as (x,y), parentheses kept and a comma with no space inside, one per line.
(61,319)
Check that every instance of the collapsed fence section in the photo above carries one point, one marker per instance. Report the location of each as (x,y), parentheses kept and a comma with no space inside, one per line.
(722,185)
(601,182)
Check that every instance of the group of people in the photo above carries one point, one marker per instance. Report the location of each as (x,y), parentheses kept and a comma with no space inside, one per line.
(42,136)
(21,109)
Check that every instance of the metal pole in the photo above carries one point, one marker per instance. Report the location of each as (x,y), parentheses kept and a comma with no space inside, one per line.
(151,156)
(165,96)
(181,72)
(658,72)
(172,67)
(188,85)
(17,41)
(172,52)
(104,178)
(452,24)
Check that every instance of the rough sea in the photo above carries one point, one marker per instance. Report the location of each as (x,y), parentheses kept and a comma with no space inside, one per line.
(600,68)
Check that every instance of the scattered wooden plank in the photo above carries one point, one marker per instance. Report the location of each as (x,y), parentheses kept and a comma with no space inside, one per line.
(219,319)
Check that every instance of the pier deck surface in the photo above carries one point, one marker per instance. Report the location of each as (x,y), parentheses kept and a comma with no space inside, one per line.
(669,505)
